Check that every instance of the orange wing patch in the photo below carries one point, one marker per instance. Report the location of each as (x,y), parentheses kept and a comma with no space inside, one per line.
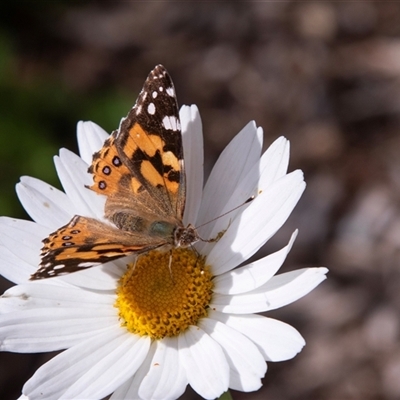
(143,148)
(140,139)
(150,161)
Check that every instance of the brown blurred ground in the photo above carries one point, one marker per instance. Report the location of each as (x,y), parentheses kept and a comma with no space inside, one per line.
(327,76)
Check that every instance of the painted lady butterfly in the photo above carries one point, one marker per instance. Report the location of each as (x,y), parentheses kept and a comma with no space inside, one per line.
(141,171)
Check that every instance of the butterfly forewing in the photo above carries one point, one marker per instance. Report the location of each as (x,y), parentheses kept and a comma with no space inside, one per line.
(151,137)
(149,142)
(140,170)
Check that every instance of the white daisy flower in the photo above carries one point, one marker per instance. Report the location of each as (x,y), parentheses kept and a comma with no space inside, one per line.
(195,324)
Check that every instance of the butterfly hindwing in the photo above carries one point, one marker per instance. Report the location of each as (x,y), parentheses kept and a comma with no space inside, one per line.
(86,242)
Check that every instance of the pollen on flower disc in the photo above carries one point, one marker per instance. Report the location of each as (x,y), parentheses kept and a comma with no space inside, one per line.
(157,301)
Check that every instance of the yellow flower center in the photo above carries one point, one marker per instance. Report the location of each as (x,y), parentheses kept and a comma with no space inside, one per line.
(157,300)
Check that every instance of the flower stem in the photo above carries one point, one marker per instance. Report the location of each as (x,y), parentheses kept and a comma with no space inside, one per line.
(226,396)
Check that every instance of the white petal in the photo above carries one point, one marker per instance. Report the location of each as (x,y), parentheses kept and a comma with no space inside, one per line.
(274,162)
(279,291)
(91,138)
(91,370)
(245,360)
(286,288)
(257,223)
(161,376)
(102,277)
(192,137)
(72,171)
(50,329)
(166,377)
(43,294)
(276,340)
(45,204)
(252,276)
(14,268)
(39,317)
(25,231)
(54,195)
(125,391)
(271,167)
(231,168)
(130,389)
(205,364)
(23,238)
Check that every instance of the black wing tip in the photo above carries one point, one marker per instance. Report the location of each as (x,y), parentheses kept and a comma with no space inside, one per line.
(40,274)
(36,277)
(158,72)
(159,68)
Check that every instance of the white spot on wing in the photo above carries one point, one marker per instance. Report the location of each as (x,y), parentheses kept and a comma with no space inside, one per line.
(171,123)
(151,108)
(87,264)
(160,88)
(166,123)
(170,91)
(154,94)
(138,110)
(119,131)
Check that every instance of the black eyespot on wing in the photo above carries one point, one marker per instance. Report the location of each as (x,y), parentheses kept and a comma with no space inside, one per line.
(116,161)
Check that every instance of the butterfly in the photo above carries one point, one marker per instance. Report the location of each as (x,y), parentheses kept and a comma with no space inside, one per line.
(140,169)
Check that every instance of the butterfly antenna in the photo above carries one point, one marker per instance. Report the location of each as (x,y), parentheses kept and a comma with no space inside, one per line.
(220,234)
(251,198)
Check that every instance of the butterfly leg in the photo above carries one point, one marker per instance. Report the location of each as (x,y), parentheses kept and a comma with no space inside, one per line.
(219,235)
(170,267)
(132,270)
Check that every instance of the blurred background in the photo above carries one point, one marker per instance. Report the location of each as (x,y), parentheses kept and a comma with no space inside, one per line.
(324,74)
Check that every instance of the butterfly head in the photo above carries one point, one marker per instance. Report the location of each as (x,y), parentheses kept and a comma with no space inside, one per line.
(185,237)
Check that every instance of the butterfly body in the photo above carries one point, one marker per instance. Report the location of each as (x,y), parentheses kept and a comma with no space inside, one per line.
(140,170)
